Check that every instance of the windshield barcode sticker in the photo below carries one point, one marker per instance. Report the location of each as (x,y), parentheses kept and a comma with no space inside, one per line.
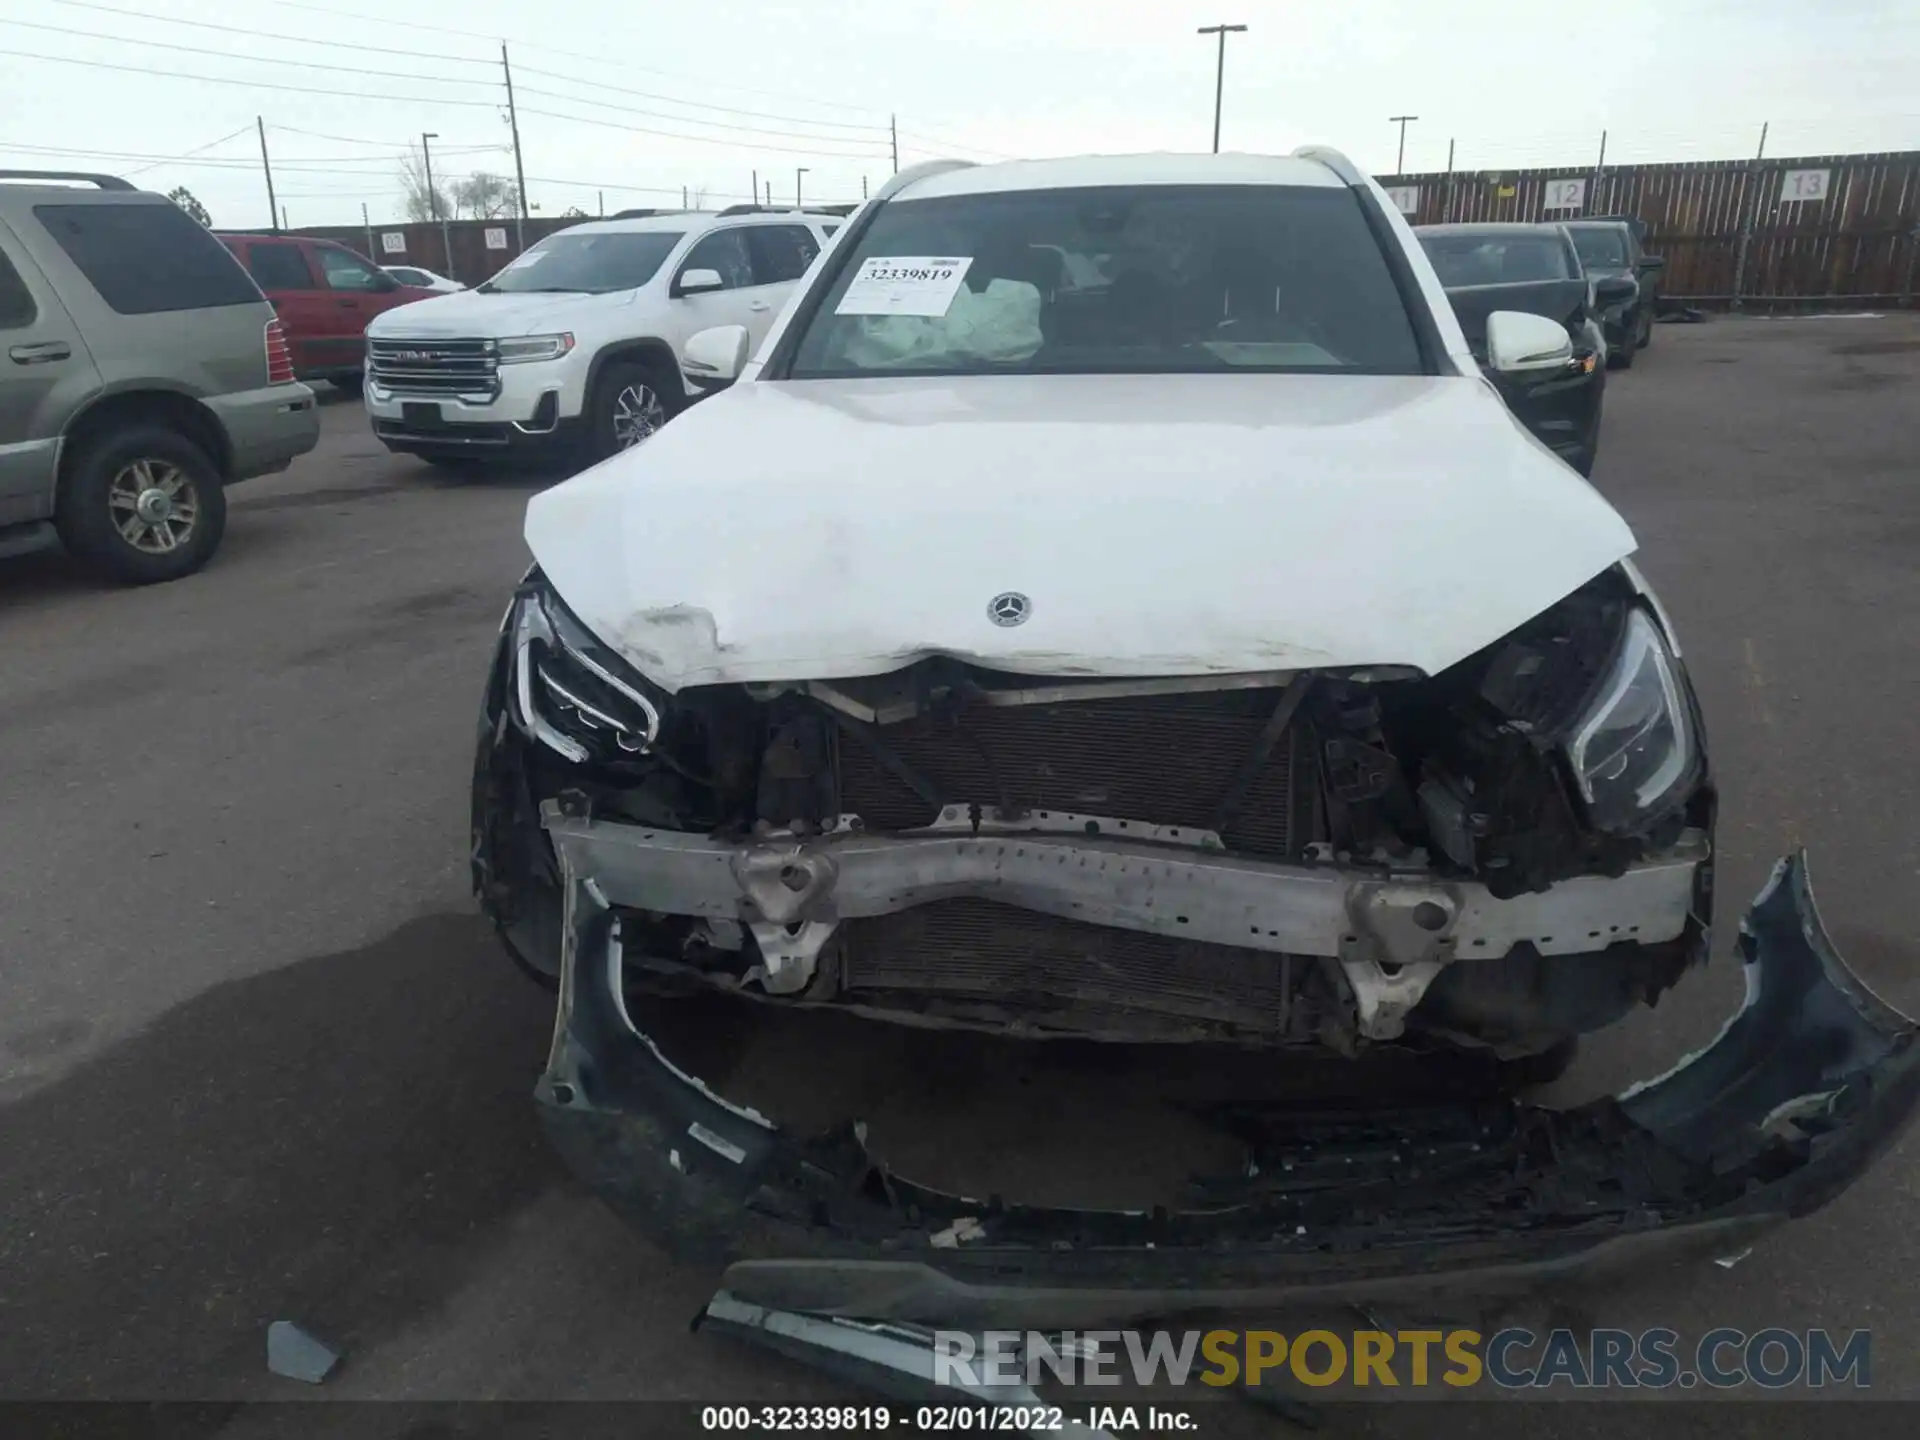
(904,285)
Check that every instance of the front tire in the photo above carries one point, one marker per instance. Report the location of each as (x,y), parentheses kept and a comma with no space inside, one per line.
(141,505)
(631,402)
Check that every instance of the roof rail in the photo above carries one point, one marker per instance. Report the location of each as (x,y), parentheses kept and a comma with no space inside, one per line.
(105,182)
(1334,160)
(899,181)
(749,209)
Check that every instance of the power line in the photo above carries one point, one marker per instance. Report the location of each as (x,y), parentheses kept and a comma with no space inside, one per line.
(251,59)
(695,104)
(711,124)
(271,35)
(949,145)
(335,13)
(195,151)
(261,84)
(704,139)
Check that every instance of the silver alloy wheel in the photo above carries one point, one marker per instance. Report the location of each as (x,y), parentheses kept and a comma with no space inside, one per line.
(637,413)
(154,504)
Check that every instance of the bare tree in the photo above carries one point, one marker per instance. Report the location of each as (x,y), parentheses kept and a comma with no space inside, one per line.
(483,196)
(416,203)
(698,200)
(186,200)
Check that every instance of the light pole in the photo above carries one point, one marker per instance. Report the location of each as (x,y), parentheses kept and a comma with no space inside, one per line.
(433,198)
(1219,72)
(1400,158)
(798,171)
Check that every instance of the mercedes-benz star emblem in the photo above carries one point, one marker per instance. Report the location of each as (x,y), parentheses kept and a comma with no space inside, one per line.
(1009,607)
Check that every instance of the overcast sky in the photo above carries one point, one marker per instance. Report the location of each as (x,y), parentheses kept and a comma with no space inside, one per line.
(637,98)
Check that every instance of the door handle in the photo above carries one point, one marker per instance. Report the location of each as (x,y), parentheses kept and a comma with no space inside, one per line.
(41,354)
(346,304)
(759,306)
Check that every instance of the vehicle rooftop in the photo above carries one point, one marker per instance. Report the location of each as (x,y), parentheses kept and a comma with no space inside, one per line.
(1492,227)
(1082,171)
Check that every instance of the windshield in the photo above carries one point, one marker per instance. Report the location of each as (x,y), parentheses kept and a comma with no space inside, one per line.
(1155,279)
(1483,257)
(589,263)
(1601,249)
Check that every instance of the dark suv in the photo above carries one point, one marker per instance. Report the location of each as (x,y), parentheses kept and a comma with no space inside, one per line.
(1615,248)
(145,373)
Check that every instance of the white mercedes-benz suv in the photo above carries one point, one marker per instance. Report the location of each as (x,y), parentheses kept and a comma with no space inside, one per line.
(574,347)
(1113,606)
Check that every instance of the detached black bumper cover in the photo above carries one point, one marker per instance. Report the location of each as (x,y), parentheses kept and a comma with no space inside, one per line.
(1806,1084)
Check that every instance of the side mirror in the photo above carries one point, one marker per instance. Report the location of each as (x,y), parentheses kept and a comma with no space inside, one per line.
(1614,289)
(1653,262)
(714,358)
(384,283)
(697,282)
(1518,342)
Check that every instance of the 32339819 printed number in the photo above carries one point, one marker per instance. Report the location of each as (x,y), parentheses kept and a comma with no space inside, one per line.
(816,1419)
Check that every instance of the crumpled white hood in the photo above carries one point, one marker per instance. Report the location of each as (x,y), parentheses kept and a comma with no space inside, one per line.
(1158,525)
(466,313)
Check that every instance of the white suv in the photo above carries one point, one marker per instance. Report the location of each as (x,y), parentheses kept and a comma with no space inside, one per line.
(576,345)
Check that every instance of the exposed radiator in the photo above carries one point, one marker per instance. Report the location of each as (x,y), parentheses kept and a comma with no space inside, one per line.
(1164,759)
(1078,975)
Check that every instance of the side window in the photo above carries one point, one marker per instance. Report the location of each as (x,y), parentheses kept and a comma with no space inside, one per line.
(725,251)
(347,271)
(275,265)
(17,310)
(147,258)
(781,252)
(406,277)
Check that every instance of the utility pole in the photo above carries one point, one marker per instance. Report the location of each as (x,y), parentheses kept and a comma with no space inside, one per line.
(798,171)
(893,134)
(1446,202)
(283,219)
(683,197)
(603,203)
(364,220)
(519,170)
(1219,73)
(1752,209)
(1593,196)
(1400,156)
(753,193)
(863,187)
(273,208)
(433,199)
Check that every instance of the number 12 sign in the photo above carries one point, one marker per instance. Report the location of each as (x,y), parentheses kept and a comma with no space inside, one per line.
(1565,195)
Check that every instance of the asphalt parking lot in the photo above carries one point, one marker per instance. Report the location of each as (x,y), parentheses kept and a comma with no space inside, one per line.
(259,1058)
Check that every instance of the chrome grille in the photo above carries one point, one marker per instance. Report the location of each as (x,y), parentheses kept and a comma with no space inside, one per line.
(434,367)
(1163,759)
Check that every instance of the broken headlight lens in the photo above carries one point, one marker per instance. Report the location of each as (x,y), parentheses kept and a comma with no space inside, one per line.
(1634,752)
(571,693)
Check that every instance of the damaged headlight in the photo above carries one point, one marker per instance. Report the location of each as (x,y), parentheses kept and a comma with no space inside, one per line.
(570,692)
(1633,753)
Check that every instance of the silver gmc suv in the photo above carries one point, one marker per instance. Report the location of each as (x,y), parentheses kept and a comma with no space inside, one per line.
(144,372)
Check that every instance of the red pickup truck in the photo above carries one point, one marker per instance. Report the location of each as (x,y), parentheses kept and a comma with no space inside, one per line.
(325,295)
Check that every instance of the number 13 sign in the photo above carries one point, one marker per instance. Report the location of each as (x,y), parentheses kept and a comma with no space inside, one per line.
(1803,185)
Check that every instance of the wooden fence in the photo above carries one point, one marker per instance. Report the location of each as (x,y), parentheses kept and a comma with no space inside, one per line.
(1814,232)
